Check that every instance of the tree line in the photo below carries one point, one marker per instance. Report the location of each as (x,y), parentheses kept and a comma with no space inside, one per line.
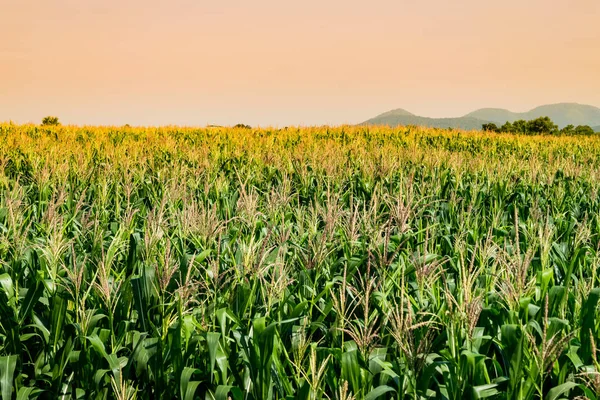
(538,126)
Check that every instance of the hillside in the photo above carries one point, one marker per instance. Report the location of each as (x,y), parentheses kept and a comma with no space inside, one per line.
(562,114)
(402,117)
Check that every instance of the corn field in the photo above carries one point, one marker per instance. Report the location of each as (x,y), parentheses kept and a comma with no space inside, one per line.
(314,263)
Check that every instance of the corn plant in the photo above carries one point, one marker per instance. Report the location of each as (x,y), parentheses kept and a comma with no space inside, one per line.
(299,263)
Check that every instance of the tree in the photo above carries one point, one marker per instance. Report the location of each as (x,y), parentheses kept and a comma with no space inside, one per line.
(242,126)
(520,126)
(540,126)
(491,127)
(49,120)
(568,130)
(507,127)
(584,130)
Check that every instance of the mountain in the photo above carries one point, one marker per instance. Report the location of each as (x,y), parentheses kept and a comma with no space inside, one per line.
(596,128)
(562,114)
(403,117)
(497,115)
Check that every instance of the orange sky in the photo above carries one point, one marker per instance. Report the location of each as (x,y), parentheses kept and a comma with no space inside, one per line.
(267,62)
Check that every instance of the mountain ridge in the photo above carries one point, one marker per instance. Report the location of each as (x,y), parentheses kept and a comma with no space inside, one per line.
(562,114)
(400,116)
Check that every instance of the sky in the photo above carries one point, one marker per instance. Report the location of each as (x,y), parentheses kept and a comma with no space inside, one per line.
(283,63)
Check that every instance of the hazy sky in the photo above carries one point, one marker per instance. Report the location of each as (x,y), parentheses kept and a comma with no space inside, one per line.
(268,62)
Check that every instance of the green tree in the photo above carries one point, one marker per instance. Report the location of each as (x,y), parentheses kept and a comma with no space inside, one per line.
(541,125)
(584,130)
(491,127)
(568,130)
(50,120)
(242,126)
(507,127)
(520,126)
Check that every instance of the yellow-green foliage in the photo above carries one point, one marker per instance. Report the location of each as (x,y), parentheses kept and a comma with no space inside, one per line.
(342,263)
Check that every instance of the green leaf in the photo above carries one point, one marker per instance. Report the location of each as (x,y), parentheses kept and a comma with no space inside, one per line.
(351,369)
(484,391)
(142,295)
(7,284)
(379,391)
(187,387)
(27,393)
(7,371)
(512,352)
(222,393)
(588,322)
(99,377)
(139,300)
(31,298)
(559,390)
(202,256)
(97,344)
(212,340)
(59,310)
(589,393)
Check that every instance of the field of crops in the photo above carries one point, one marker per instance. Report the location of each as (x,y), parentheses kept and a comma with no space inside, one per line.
(315,263)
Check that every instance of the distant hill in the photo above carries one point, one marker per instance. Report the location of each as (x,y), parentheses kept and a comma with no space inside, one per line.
(402,117)
(562,114)
(596,128)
